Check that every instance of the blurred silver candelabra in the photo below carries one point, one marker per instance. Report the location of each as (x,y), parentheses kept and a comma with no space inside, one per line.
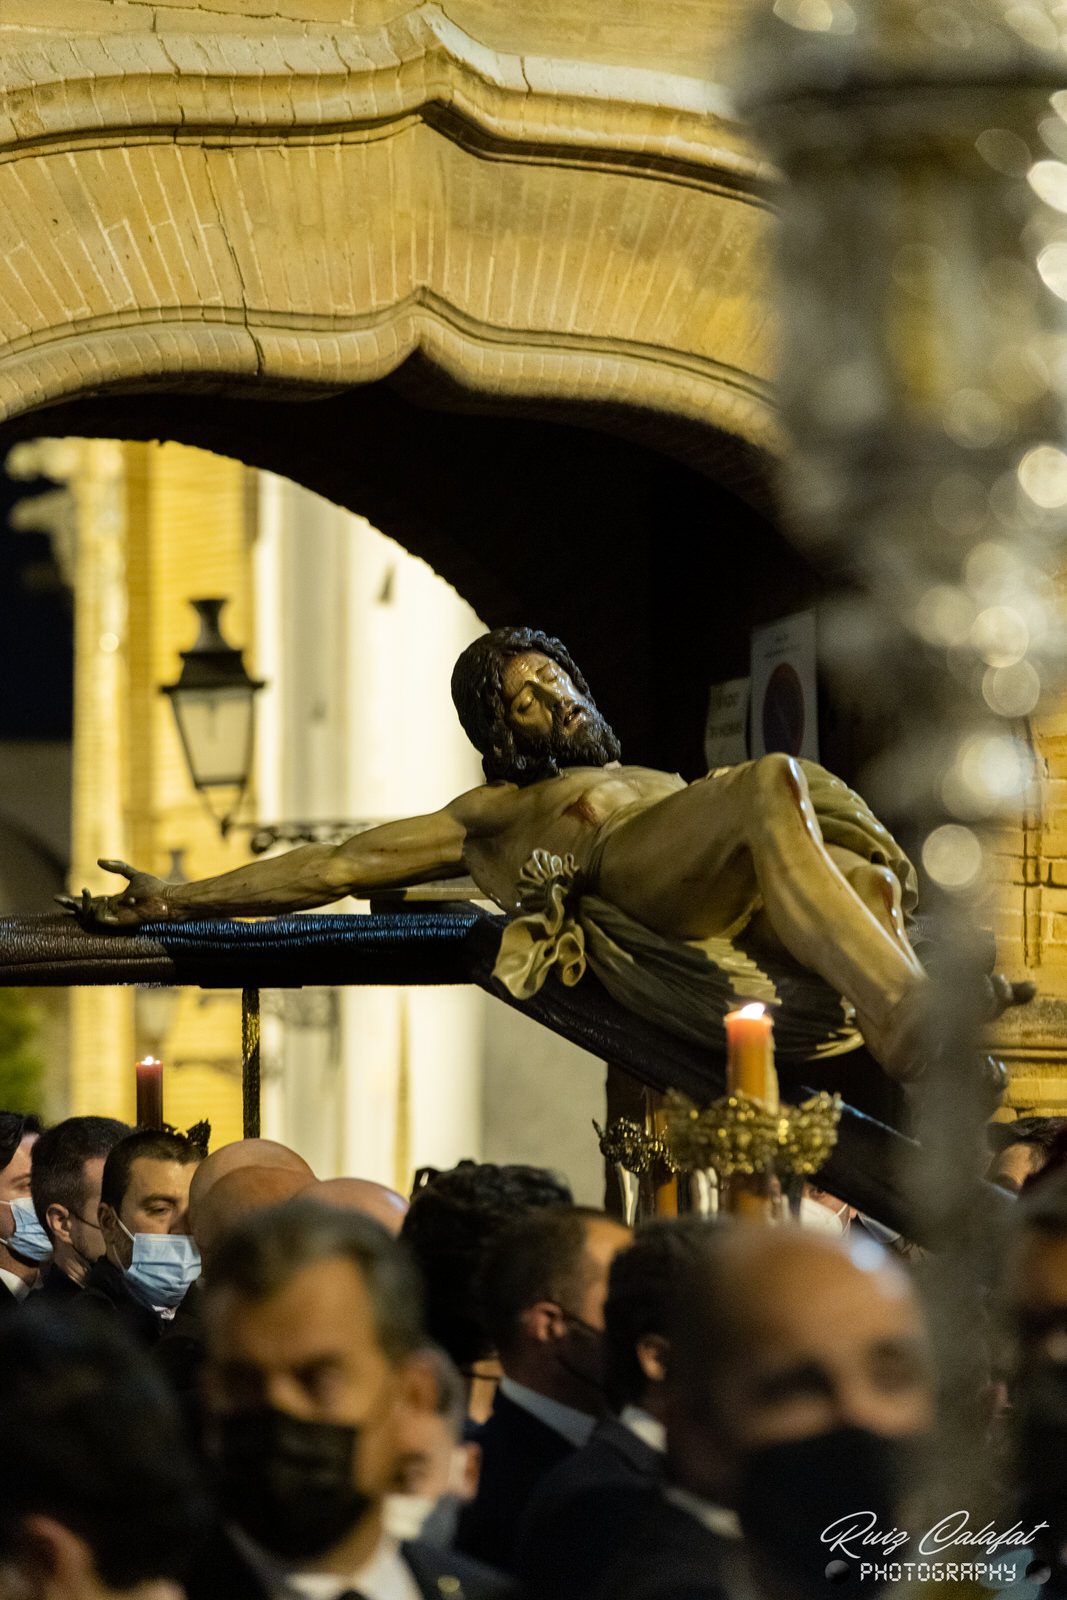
(922,297)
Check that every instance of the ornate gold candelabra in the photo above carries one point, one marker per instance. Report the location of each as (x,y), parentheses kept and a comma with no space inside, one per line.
(736,1148)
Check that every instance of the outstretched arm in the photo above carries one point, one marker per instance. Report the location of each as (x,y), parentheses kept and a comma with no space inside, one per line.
(393,855)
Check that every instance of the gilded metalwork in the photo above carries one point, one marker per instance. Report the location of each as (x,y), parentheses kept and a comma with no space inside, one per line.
(736,1134)
(250,1066)
(629,1146)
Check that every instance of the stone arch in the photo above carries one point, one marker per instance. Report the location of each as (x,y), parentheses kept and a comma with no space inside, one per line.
(305,206)
(395,215)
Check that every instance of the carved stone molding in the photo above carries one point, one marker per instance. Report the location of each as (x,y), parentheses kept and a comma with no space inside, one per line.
(504,103)
(304,210)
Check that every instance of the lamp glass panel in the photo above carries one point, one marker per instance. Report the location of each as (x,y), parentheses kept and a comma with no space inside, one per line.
(216,730)
(156,1006)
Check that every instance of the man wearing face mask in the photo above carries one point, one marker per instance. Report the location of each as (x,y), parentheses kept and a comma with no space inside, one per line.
(149,1261)
(68,1165)
(22,1248)
(582,1509)
(313,1329)
(799,1391)
(822,1212)
(543,1293)
(825,1213)
(437,1469)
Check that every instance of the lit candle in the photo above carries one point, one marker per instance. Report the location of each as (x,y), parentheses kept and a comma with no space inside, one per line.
(750,1071)
(750,1055)
(149,1093)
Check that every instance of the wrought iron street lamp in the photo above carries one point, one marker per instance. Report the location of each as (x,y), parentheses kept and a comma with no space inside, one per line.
(213,702)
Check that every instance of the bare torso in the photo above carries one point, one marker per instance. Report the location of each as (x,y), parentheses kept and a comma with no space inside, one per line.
(564,815)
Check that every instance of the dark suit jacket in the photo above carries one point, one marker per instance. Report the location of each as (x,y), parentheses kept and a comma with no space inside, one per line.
(517,1452)
(580,1511)
(57,1287)
(223,1573)
(106,1290)
(8,1301)
(667,1554)
(476,1582)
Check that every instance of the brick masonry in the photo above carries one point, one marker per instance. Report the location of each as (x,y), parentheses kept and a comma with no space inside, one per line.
(285,198)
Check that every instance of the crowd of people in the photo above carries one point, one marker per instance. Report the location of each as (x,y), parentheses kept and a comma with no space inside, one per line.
(225,1379)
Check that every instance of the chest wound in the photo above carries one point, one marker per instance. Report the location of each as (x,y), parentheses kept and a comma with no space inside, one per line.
(583,810)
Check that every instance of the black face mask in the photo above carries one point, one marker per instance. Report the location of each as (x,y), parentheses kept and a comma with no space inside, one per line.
(288,1483)
(589,1347)
(791,1492)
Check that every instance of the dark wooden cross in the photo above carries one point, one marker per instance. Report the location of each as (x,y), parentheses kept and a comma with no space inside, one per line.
(874,1166)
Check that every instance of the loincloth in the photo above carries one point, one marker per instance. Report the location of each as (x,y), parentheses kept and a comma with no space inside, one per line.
(688,985)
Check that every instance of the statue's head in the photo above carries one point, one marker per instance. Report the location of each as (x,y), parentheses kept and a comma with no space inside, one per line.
(526,708)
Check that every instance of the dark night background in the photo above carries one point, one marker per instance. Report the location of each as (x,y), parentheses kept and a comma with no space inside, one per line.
(36,628)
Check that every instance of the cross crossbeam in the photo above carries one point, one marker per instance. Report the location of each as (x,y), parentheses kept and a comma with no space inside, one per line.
(874,1167)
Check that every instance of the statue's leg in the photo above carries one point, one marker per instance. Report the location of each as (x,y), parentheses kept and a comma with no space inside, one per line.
(686,864)
(878,887)
(829,924)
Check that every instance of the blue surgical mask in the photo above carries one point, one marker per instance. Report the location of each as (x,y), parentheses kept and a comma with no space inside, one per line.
(30,1242)
(164,1267)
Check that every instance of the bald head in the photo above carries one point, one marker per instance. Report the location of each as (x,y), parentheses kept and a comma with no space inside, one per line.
(361,1194)
(243,1153)
(783,1334)
(235,1196)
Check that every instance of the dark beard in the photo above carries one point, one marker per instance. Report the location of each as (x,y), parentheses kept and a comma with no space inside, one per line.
(592,743)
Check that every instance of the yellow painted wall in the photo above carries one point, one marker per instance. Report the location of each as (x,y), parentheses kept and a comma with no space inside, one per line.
(175,524)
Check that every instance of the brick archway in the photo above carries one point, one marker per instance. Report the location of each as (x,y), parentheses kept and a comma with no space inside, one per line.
(303,207)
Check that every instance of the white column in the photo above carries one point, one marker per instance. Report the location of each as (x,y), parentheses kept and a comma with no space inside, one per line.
(413,1058)
(357,639)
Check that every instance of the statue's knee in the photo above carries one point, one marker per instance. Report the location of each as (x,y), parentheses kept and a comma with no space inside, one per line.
(875,885)
(778,780)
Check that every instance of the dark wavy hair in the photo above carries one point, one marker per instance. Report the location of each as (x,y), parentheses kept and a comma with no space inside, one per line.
(450,1229)
(144,1144)
(478,696)
(14,1127)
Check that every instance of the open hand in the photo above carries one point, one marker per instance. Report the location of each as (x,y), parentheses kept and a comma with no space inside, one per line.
(143,900)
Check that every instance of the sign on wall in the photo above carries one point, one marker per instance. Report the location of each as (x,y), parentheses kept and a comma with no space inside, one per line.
(726,730)
(784,701)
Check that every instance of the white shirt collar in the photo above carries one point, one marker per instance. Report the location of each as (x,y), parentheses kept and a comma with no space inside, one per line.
(647,1429)
(717,1519)
(574,1426)
(18,1286)
(386,1576)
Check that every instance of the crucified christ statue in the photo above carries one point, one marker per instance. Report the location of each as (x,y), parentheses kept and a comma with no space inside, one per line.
(741,850)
